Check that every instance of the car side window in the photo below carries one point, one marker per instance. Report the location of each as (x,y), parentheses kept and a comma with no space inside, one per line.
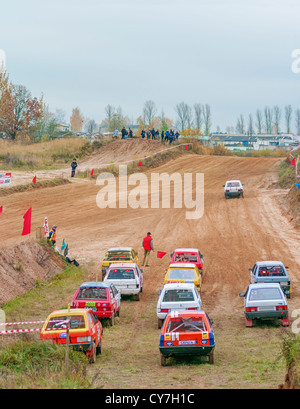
(90,320)
(111,294)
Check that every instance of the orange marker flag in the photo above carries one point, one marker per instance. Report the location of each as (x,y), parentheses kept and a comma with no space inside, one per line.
(92,172)
(161,254)
(27,223)
(34,180)
(294,161)
(140,164)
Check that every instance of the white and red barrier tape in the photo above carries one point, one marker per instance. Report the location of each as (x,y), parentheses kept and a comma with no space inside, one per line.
(22,331)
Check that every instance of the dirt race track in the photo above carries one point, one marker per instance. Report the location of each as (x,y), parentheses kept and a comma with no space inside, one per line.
(232,235)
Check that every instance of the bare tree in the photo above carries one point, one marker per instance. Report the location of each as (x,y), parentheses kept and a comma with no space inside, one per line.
(288,117)
(259,121)
(181,110)
(149,111)
(250,125)
(297,121)
(60,115)
(207,119)
(240,125)
(198,116)
(277,119)
(109,111)
(268,119)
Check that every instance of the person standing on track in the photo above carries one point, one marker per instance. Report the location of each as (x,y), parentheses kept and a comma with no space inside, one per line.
(52,236)
(148,246)
(73,166)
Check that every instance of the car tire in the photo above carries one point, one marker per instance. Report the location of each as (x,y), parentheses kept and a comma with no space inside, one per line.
(163,360)
(211,356)
(92,356)
(137,297)
(112,320)
(99,348)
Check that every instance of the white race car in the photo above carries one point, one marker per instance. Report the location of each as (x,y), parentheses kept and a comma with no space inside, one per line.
(233,188)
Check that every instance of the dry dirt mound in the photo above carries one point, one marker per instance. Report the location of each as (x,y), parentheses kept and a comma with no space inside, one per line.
(22,265)
(121,151)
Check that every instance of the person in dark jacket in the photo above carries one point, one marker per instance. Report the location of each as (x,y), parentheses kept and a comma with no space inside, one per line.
(143,134)
(73,166)
(153,133)
(124,132)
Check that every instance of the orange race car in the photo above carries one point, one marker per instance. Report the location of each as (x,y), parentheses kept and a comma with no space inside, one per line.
(187,333)
(85,331)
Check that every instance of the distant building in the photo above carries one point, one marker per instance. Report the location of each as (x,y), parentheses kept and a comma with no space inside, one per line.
(63,128)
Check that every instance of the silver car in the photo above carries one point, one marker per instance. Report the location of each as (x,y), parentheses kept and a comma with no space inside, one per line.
(265,301)
(233,188)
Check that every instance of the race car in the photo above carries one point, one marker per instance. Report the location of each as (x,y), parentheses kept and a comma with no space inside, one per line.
(85,330)
(233,188)
(126,277)
(183,273)
(187,333)
(188,255)
(118,255)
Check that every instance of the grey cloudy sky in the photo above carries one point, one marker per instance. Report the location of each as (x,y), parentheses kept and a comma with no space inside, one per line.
(232,54)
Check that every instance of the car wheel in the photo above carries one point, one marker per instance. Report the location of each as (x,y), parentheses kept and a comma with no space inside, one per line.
(112,320)
(137,297)
(163,360)
(92,356)
(159,323)
(211,356)
(99,348)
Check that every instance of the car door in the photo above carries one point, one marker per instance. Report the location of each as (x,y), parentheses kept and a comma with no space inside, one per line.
(117,296)
(252,274)
(140,275)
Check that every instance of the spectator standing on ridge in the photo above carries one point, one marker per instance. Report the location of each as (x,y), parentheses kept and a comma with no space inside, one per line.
(130,133)
(148,246)
(153,133)
(157,134)
(124,132)
(143,134)
(73,166)
(52,236)
(148,134)
(116,133)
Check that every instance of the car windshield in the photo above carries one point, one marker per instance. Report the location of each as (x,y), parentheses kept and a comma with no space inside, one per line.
(182,274)
(76,321)
(119,255)
(271,271)
(178,295)
(121,274)
(233,184)
(92,293)
(186,324)
(186,257)
(265,294)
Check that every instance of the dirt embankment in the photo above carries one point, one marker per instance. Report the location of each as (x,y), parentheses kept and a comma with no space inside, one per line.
(22,265)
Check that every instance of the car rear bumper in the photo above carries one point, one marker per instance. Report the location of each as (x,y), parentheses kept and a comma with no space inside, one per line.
(186,350)
(261,315)
(233,194)
(129,291)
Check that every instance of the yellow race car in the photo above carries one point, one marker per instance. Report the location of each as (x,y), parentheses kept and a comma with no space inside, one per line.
(118,255)
(183,273)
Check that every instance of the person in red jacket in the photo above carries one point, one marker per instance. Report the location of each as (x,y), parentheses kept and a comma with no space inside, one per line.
(148,246)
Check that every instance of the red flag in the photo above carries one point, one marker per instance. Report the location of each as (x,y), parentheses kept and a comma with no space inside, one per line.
(34,180)
(294,161)
(1,209)
(160,254)
(92,172)
(140,164)
(186,147)
(27,223)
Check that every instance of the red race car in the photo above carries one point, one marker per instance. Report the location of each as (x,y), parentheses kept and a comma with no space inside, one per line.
(102,298)
(187,333)
(188,255)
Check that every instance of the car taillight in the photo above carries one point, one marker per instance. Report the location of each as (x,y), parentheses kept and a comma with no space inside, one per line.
(251,309)
(281,307)
(164,310)
(191,308)
(227,190)
(240,190)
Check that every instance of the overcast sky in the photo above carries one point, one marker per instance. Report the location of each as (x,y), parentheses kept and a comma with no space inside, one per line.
(232,54)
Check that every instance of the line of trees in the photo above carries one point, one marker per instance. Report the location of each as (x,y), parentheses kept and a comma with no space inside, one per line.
(270,120)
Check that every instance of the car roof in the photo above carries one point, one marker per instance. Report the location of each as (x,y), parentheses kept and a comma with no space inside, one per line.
(169,286)
(264,285)
(269,263)
(233,180)
(115,265)
(185,265)
(97,284)
(179,314)
(186,249)
(72,311)
(119,249)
